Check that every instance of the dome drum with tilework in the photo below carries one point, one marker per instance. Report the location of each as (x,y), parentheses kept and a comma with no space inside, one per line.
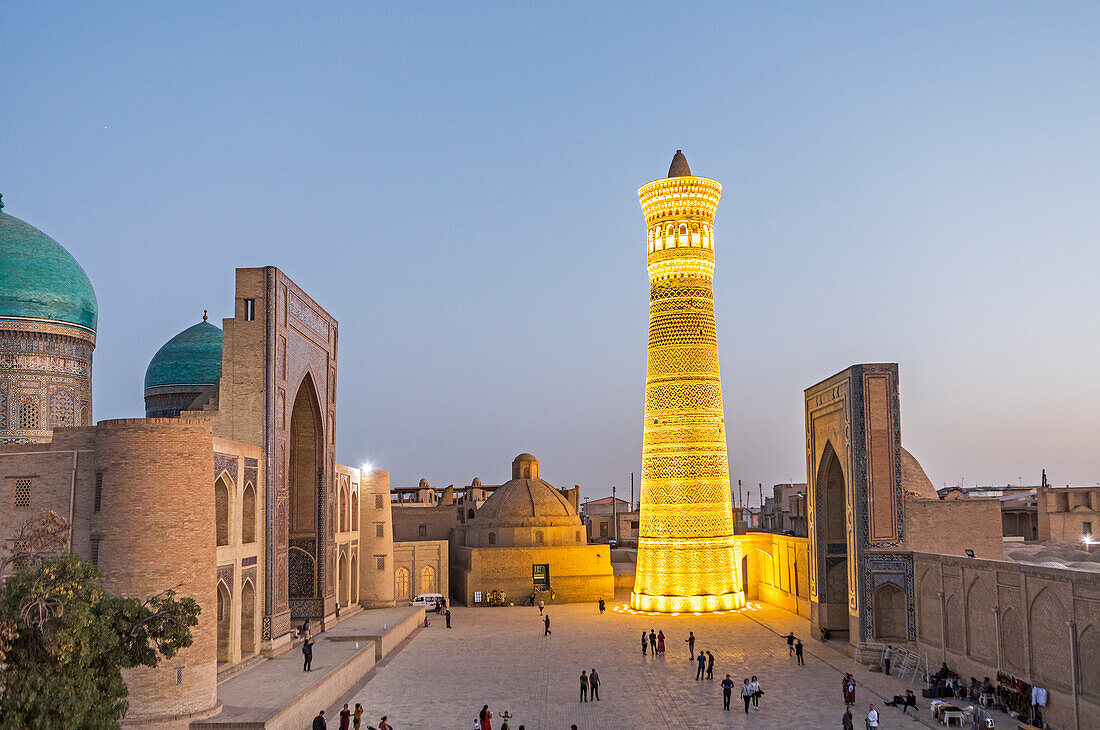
(48,318)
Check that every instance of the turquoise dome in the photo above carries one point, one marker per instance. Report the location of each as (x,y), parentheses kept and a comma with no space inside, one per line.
(39,279)
(193,357)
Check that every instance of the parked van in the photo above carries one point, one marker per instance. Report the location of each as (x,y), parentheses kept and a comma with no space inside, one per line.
(428,600)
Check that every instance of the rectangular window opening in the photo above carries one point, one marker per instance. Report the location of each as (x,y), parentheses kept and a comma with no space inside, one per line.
(179,675)
(249,309)
(22,496)
(379,529)
(422,530)
(95,550)
(381,561)
(98,491)
(378,501)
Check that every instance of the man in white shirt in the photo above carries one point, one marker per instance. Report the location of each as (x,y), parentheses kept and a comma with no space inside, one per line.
(872,717)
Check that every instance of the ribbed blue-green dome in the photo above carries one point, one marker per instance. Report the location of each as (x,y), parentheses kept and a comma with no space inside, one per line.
(39,279)
(193,357)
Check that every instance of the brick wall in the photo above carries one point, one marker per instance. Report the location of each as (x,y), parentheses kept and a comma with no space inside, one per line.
(949,527)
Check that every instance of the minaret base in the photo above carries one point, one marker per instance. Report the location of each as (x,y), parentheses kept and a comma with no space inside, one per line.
(687,604)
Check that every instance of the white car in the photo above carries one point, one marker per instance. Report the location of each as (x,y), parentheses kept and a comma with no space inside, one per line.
(428,600)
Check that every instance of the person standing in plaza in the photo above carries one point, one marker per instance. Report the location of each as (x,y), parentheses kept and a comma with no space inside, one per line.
(447,615)
(710,665)
(702,666)
(886,657)
(848,687)
(661,642)
(754,685)
(584,687)
(546,624)
(691,644)
(357,716)
(319,722)
(485,716)
(541,606)
(798,652)
(846,719)
(790,644)
(603,606)
(594,684)
(307,653)
(345,718)
(645,642)
(727,692)
(652,642)
(746,694)
(872,717)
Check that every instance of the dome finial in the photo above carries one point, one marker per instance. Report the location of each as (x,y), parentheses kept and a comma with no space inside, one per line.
(204,317)
(679,166)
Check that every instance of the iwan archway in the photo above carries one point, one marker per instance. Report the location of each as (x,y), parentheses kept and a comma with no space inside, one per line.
(305,496)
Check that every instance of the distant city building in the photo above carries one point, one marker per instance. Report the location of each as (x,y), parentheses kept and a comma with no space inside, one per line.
(785,511)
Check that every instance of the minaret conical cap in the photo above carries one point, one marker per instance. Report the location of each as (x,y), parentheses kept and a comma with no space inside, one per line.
(679,166)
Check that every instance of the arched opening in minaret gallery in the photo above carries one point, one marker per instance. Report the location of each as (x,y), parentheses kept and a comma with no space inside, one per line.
(832,544)
(304,485)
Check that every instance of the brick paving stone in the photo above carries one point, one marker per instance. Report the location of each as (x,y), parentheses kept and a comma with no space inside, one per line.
(498,656)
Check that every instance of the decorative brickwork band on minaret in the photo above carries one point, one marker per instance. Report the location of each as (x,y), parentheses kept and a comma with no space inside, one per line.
(688,559)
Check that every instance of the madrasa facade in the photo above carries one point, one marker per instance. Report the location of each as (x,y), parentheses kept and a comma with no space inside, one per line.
(228,490)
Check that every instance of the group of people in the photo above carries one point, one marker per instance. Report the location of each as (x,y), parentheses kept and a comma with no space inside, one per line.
(794,648)
(653,642)
(349,719)
(484,720)
(750,693)
(590,684)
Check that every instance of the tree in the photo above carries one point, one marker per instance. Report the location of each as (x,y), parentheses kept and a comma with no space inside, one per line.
(64,640)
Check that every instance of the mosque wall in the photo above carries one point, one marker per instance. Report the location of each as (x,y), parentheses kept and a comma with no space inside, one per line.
(776,570)
(420,521)
(45,379)
(949,527)
(1037,623)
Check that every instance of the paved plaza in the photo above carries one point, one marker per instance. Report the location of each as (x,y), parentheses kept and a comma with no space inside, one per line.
(498,656)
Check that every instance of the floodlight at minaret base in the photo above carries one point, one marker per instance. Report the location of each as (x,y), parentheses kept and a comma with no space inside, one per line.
(688,558)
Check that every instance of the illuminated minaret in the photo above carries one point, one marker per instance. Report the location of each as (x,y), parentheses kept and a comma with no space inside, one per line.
(688,559)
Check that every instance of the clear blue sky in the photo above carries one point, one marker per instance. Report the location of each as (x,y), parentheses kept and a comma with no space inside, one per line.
(456,183)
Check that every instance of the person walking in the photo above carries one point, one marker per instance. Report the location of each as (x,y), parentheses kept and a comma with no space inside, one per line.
(691,644)
(790,644)
(754,685)
(702,666)
(345,718)
(727,692)
(594,684)
(872,717)
(546,623)
(584,687)
(746,694)
(661,642)
(357,716)
(307,653)
(798,652)
(485,716)
(652,642)
(319,722)
(886,657)
(541,606)
(645,642)
(447,615)
(846,719)
(710,665)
